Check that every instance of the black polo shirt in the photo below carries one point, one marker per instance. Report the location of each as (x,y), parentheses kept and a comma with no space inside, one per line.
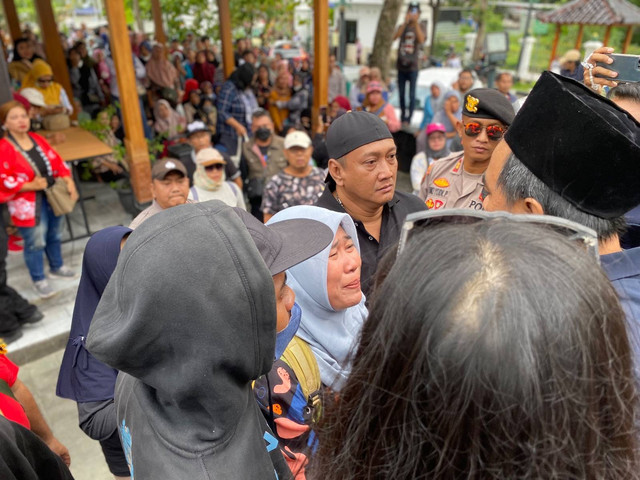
(393,215)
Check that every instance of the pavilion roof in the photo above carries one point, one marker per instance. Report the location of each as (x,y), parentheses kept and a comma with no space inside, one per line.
(594,12)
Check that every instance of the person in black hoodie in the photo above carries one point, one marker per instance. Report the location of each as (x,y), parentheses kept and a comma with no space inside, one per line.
(189,318)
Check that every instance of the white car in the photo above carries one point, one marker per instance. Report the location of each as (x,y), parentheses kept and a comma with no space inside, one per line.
(426,77)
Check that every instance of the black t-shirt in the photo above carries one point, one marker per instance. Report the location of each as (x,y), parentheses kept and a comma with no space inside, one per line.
(40,163)
(408,50)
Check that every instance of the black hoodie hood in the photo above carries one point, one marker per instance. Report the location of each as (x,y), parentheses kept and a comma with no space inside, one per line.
(190,315)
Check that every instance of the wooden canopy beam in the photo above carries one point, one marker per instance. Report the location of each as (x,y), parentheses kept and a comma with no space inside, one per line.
(554,47)
(135,143)
(224,20)
(607,35)
(160,35)
(13,21)
(627,39)
(579,39)
(321,57)
(53,48)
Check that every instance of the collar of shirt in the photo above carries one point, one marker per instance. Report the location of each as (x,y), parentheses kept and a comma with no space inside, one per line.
(622,264)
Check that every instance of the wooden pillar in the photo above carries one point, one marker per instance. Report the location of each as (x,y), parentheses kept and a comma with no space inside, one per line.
(579,39)
(321,57)
(627,39)
(53,48)
(224,19)
(160,36)
(554,48)
(607,35)
(135,143)
(12,19)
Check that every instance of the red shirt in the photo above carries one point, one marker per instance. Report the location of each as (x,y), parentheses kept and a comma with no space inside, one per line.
(9,406)
(16,171)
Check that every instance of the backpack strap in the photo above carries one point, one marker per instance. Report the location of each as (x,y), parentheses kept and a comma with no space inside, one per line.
(300,358)
(194,192)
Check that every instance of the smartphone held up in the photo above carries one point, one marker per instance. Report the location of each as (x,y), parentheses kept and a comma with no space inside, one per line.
(627,66)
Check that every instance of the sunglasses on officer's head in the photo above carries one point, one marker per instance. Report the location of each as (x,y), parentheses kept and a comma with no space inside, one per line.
(494,132)
(415,222)
(214,166)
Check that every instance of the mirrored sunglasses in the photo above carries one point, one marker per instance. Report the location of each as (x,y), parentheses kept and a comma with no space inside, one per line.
(214,166)
(573,231)
(494,132)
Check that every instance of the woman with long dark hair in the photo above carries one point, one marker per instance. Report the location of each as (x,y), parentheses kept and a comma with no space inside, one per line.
(503,355)
(24,54)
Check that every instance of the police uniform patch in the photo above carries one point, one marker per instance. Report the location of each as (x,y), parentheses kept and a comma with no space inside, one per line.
(429,203)
(439,203)
(456,168)
(472,104)
(441,182)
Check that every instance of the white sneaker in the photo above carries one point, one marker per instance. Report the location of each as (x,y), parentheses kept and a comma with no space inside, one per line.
(63,272)
(44,289)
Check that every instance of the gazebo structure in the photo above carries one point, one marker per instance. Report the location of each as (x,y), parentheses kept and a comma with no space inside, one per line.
(135,142)
(609,13)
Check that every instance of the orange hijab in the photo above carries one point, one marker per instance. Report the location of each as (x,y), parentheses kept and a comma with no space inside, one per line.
(42,69)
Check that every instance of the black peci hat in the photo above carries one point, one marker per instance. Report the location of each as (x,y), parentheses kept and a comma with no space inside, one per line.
(580,144)
(488,103)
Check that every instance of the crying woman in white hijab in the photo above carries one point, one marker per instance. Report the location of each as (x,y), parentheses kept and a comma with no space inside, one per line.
(327,288)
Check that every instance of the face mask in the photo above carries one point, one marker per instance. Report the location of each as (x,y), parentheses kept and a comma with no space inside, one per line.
(297,88)
(208,108)
(285,336)
(263,133)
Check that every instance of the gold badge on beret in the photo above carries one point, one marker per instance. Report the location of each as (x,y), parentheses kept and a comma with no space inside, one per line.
(472,104)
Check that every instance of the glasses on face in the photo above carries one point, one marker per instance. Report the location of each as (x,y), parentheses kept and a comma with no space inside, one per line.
(419,221)
(494,132)
(214,166)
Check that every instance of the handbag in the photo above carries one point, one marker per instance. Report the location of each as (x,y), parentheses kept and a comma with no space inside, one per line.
(57,194)
(58,121)
(59,198)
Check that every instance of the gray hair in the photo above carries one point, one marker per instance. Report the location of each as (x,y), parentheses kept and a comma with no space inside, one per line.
(517,182)
(625,91)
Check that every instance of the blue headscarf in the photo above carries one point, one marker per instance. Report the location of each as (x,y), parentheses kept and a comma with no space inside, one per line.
(331,334)
(83,378)
(441,116)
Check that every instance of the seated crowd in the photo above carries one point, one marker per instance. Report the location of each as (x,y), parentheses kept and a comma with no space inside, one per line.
(282,310)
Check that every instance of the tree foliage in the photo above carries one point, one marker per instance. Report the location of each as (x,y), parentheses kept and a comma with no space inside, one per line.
(201,17)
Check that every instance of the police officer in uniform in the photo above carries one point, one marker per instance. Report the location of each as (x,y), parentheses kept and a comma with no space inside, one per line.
(456,181)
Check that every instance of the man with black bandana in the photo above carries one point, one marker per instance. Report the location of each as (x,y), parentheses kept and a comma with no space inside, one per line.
(362,183)
(262,158)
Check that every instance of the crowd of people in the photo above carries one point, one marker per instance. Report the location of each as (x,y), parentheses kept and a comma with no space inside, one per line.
(282,310)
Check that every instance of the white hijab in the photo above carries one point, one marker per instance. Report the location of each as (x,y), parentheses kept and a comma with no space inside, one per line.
(331,334)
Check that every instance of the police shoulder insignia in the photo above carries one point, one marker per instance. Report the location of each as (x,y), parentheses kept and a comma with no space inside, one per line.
(3,347)
(472,104)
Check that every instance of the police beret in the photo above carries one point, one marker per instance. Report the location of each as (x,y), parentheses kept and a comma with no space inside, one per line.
(580,144)
(353,130)
(488,103)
